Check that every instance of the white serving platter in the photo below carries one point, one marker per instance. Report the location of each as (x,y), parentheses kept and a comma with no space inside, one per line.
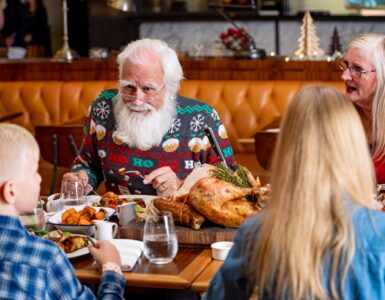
(55,220)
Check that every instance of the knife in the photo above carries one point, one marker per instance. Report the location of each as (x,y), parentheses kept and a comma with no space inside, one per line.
(214,144)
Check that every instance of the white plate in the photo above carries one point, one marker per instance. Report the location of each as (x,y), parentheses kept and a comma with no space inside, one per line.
(55,196)
(146,198)
(78,253)
(96,199)
(55,220)
(93,199)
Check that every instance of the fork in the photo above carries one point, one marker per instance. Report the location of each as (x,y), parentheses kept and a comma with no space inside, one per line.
(88,186)
(93,242)
(122,171)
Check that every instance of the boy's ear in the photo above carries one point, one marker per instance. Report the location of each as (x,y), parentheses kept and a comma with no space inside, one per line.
(7,192)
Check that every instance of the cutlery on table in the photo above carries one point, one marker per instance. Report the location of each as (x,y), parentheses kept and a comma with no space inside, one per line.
(92,241)
(91,189)
(123,171)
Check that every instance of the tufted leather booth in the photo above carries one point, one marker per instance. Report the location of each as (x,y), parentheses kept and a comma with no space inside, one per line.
(244,106)
(49,102)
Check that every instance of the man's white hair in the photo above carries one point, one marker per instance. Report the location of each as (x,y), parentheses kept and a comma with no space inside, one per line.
(137,51)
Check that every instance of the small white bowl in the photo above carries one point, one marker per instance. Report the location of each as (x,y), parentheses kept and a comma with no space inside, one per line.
(221,249)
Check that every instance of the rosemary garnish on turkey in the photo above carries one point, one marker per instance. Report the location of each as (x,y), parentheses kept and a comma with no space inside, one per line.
(237,178)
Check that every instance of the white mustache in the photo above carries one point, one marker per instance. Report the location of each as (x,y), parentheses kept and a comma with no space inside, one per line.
(140,108)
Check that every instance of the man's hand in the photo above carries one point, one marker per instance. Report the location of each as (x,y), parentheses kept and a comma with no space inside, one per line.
(82,175)
(164,180)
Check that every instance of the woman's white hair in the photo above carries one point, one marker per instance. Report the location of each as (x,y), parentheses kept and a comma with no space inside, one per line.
(374,44)
(172,69)
(17,147)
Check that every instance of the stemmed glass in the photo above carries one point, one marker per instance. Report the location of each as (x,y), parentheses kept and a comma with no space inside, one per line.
(72,193)
(159,238)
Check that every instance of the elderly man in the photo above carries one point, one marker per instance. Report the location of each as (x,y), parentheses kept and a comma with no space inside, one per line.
(146,126)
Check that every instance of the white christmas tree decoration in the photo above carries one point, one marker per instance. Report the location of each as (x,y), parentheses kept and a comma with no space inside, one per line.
(308,42)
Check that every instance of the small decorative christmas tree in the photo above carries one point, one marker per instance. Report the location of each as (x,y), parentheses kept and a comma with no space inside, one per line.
(335,45)
(308,47)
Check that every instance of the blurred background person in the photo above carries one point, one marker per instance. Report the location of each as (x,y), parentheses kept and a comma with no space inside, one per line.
(16,24)
(39,33)
(2,2)
(363,69)
(319,236)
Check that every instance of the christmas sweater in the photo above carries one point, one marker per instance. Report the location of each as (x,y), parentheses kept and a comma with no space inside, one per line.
(182,148)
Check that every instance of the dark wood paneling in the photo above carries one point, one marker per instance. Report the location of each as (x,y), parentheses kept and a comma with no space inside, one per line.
(45,69)
(204,69)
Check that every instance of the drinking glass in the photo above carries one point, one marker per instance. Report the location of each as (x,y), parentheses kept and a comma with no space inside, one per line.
(34,219)
(72,193)
(159,238)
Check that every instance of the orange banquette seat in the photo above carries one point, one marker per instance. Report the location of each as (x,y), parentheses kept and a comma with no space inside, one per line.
(245,107)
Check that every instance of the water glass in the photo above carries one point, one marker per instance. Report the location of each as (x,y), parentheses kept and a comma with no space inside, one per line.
(159,238)
(34,219)
(72,193)
(53,203)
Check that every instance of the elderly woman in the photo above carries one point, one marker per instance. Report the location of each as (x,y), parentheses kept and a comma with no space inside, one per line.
(364,75)
(319,237)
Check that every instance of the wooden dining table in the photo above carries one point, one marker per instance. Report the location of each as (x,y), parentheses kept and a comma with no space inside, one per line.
(202,282)
(188,264)
(191,269)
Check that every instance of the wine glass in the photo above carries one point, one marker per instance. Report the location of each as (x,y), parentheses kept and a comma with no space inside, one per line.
(34,219)
(72,193)
(159,238)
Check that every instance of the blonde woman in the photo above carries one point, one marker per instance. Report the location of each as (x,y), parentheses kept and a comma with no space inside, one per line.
(363,72)
(319,237)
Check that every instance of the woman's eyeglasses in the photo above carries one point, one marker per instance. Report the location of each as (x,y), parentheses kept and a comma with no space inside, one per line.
(354,71)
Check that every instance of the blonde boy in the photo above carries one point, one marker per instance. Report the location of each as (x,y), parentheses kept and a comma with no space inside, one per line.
(32,267)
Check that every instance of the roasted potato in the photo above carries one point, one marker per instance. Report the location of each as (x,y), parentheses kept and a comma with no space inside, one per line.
(100,215)
(82,217)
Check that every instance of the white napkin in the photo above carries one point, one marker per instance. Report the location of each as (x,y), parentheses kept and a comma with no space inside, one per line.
(130,251)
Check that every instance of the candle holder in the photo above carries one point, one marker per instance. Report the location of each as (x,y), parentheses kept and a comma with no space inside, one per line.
(65,53)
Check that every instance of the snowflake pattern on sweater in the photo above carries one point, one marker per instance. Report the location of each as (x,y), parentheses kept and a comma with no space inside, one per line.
(184,147)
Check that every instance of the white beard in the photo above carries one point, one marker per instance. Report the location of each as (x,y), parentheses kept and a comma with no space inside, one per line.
(143,131)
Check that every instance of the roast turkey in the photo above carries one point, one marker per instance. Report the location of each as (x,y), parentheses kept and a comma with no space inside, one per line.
(222,202)
(199,172)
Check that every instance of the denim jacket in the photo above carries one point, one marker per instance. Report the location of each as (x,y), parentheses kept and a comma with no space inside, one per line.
(365,278)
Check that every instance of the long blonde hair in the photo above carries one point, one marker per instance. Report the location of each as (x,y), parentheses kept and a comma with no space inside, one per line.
(374,44)
(321,157)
